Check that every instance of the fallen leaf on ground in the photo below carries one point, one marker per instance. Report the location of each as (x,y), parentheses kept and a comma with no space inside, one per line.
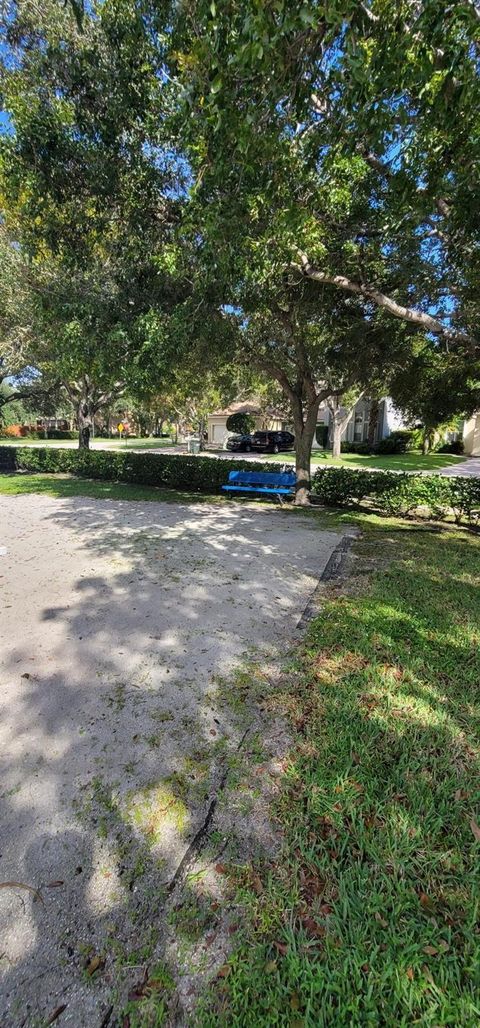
(461,794)
(409,973)
(282,948)
(270,967)
(220,869)
(55,885)
(257,885)
(224,971)
(95,964)
(22,885)
(381,920)
(475,829)
(312,928)
(431,951)
(56,1013)
(325,909)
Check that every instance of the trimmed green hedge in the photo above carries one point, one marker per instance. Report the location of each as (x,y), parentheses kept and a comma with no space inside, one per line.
(178,471)
(61,433)
(400,493)
(390,492)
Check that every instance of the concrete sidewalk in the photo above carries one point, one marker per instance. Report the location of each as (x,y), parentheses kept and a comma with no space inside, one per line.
(121,622)
(467,469)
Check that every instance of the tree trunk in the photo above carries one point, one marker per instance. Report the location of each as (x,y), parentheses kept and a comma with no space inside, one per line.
(339,421)
(336,426)
(84,425)
(373,420)
(303,453)
(336,435)
(304,433)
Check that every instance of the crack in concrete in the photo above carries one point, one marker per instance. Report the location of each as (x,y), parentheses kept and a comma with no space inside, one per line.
(199,840)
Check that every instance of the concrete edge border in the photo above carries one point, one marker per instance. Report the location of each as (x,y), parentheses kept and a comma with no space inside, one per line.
(333,569)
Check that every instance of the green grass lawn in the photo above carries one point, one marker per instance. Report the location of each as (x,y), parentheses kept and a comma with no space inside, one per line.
(414,461)
(95,444)
(368,916)
(65,486)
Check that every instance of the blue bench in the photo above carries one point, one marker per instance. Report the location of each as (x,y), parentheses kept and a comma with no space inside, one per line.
(279,483)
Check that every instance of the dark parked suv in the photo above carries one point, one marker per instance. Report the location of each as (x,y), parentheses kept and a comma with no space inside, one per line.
(239,442)
(272,442)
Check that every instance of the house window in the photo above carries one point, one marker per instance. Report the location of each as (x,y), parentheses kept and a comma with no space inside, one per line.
(358,429)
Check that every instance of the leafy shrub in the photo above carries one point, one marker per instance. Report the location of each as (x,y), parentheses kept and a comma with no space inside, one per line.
(241,423)
(400,493)
(455,447)
(347,447)
(389,492)
(19,432)
(191,473)
(60,433)
(416,438)
(397,442)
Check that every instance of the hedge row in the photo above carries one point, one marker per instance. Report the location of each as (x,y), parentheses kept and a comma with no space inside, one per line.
(400,494)
(178,471)
(389,492)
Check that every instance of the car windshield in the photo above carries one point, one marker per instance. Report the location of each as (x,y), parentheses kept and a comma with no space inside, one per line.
(261,435)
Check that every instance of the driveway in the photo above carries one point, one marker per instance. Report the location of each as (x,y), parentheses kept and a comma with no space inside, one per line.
(467,469)
(122,626)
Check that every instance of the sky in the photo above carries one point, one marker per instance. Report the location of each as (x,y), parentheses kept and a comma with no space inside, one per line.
(5,126)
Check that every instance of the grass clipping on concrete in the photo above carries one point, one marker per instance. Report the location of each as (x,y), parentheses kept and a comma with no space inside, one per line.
(369,915)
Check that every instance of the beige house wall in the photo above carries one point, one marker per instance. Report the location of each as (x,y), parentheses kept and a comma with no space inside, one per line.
(471,436)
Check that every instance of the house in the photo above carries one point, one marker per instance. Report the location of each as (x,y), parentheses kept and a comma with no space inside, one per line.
(356,431)
(471,435)
(217,422)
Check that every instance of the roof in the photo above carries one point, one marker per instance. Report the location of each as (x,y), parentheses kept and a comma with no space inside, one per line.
(241,407)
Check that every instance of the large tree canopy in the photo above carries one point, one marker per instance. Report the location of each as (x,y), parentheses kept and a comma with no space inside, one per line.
(91,191)
(335,143)
(348,135)
(288,185)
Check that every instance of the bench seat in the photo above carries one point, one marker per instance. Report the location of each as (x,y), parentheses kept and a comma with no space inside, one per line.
(255,489)
(277,483)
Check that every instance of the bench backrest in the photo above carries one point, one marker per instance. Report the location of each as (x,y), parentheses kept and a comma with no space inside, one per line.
(285,479)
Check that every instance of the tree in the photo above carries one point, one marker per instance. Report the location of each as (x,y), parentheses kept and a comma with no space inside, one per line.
(241,423)
(90,193)
(301,175)
(434,391)
(325,143)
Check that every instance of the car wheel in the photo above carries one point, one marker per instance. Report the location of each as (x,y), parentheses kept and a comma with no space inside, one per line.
(248,449)
(276,448)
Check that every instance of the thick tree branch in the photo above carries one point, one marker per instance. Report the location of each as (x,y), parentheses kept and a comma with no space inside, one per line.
(441,204)
(398,310)
(24,394)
